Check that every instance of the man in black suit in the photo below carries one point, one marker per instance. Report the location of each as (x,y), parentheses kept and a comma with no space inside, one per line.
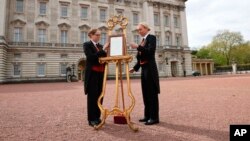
(94,72)
(149,74)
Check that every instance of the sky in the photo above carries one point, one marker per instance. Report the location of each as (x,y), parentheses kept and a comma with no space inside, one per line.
(206,17)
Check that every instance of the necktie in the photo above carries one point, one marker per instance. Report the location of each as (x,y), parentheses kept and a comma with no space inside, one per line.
(96,46)
(142,42)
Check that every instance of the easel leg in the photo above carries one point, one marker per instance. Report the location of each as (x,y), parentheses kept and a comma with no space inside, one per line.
(130,124)
(104,116)
(103,111)
(129,110)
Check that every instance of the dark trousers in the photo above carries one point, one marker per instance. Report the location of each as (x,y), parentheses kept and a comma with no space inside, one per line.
(94,91)
(150,94)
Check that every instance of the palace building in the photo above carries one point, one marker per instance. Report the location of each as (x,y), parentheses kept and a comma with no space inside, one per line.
(39,39)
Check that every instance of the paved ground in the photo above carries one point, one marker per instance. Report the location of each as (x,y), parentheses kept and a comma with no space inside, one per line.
(191,109)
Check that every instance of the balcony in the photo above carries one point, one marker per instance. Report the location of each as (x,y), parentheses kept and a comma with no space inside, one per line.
(45,44)
(169,47)
(18,43)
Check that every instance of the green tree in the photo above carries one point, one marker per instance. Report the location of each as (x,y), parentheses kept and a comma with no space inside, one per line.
(241,54)
(226,47)
(225,42)
(210,52)
(204,53)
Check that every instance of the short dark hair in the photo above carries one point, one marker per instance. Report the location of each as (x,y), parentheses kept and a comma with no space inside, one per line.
(92,32)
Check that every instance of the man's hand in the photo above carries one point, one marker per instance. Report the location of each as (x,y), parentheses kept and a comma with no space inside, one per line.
(106,46)
(134,45)
(132,70)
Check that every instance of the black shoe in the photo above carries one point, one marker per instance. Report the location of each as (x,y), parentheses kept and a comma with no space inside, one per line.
(143,120)
(152,121)
(98,121)
(92,123)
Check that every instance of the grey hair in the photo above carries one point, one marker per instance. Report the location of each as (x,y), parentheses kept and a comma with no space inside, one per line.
(145,25)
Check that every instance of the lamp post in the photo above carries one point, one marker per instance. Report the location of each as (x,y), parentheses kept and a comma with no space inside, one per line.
(166,59)
(73,77)
(73,68)
(184,69)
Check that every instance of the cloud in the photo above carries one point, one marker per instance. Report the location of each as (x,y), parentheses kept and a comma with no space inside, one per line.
(205,18)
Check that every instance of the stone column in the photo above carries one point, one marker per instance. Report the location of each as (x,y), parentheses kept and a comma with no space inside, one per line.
(3,44)
(148,14)
(206,68)
(172,28)
(3,12)
(162,26)
(211,68)
(184,27)
(145,11)
(201,68)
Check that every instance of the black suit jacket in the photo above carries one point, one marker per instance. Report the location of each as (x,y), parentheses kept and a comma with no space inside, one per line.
(147,53)
(92,55)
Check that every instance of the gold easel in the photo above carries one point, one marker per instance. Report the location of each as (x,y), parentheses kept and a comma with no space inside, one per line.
(118,60)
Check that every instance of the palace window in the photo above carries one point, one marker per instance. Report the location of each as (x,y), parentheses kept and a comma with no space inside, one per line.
(64,11)
(64,36)
(158,38)
(176,22)
(178,41)
(63,67)
(84,36)
(18,34)
(135,18)
(19,6)
(168,40)
(41,35)
(157,19)
(41,69)
(42,9)
(103,38)
(166,20)
(103,15)
(16,69)
(84,12)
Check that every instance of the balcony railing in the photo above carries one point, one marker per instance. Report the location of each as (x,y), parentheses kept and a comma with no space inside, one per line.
(18,43)
(64,45)
(41,44)
(170,47)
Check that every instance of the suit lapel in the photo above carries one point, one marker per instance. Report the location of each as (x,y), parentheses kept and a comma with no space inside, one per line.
(146,41)
(93,46)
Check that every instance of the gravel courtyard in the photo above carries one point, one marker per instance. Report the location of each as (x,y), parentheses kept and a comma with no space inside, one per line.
(191,109)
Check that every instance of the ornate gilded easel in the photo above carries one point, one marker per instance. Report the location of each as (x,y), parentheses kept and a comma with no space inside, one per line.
(118,60)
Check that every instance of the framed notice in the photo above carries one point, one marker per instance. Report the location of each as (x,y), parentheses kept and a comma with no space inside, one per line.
(116,45)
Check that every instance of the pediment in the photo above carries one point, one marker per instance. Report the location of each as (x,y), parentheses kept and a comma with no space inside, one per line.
(84,26)
(64,23)
(103,28)
(134,31)
(18,21)
(42,22)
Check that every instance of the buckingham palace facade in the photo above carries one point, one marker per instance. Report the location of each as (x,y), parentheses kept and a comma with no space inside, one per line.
(39,39)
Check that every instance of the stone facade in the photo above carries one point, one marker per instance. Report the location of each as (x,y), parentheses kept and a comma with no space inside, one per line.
(40,38)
